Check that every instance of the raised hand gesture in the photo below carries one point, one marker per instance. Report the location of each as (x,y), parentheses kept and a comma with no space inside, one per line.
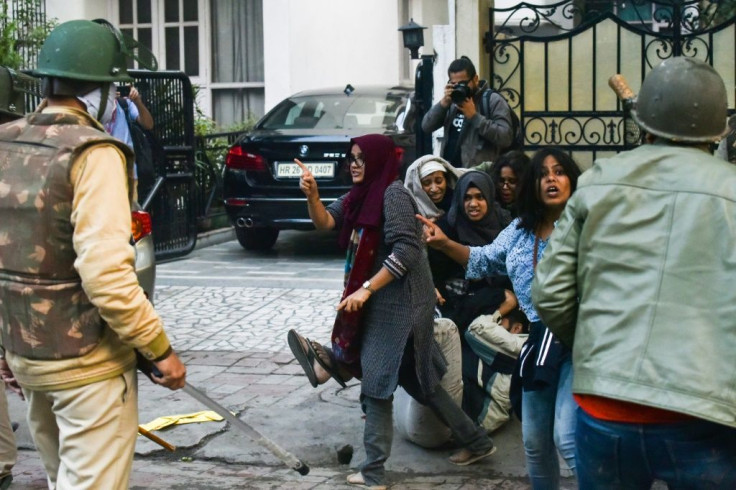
(436,238)
(318,214)
(306,182)
(432,234)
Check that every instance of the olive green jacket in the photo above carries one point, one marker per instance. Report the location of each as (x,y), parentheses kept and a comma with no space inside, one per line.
(640,273)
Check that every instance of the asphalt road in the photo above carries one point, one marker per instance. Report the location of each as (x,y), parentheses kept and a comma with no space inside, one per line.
(300,259)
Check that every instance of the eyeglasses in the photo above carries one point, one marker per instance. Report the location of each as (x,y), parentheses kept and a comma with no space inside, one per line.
(506,183)
(359,161)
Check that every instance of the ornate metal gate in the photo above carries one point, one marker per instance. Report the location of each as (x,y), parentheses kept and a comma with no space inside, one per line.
(552,63)
(171,197)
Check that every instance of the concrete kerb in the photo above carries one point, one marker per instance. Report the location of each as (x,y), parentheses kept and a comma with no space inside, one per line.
(215,237)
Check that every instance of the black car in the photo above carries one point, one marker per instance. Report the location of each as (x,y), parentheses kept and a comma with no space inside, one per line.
(261,184)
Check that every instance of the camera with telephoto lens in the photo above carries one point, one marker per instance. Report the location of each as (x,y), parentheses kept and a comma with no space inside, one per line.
(460,92)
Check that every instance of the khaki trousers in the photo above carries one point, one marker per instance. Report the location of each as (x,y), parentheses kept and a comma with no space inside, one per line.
(8,450)
(86,435)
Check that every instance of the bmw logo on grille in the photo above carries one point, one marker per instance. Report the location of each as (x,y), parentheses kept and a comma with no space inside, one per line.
(303,150)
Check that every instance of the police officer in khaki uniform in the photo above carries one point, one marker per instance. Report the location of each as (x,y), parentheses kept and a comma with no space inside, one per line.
(72,313)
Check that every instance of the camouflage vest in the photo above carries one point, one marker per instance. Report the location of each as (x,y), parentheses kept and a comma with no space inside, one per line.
(44,312)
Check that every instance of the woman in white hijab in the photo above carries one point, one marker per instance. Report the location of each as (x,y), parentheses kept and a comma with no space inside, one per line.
(431,180)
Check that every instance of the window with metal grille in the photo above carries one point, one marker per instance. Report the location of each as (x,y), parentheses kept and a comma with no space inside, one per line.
(237,68)
(169,28)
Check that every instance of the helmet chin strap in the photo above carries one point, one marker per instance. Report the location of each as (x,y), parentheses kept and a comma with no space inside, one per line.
(105,90)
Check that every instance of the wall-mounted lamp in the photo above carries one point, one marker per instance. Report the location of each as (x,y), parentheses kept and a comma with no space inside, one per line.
(423,83)
(413,37)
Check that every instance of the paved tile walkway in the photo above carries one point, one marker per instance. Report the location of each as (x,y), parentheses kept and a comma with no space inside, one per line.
(233,341)
(243,319)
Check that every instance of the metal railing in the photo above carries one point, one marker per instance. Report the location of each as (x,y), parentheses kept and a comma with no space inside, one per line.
(29,18)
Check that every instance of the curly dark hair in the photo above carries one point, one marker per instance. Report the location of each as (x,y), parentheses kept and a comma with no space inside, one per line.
(531,208)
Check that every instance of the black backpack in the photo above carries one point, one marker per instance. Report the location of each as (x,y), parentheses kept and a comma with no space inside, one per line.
(517,143)
(147,150)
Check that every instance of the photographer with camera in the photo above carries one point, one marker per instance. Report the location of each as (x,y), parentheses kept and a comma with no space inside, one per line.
(476,119)
(129,109)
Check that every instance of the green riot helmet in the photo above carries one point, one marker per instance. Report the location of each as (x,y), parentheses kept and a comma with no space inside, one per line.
(683,99)
(84,51)
(12,101)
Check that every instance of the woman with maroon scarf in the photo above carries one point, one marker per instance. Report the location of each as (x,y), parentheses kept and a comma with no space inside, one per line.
(383,332)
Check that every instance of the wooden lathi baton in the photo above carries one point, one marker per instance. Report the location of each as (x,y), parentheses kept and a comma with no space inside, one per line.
(619,85)
(156,439)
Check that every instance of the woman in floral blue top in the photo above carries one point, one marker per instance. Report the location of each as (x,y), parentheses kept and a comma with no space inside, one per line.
(545,363)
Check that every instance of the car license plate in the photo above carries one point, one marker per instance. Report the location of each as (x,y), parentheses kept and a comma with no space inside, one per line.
(292,170)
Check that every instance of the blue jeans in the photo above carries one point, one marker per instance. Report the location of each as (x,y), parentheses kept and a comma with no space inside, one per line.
(687,455)
(548,421)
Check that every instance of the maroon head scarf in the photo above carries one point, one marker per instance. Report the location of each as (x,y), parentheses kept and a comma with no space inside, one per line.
(364,203)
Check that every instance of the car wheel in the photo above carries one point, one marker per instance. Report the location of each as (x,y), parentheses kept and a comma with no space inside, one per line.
(257,238)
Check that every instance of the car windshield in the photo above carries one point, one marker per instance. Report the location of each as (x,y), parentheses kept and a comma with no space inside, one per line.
(337,111)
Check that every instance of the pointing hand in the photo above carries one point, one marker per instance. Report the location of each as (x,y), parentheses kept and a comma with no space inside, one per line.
(306,182)
(432,234)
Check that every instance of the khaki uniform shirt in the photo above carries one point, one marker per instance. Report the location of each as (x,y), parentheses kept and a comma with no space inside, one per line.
(106,263)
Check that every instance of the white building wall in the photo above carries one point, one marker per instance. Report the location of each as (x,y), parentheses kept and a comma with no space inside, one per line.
(65,10)
(329,43)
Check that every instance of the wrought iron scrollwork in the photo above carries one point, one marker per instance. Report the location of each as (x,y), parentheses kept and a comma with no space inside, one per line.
(657,50)
(578,129)
(507,55)
(700,29)
(528,18)
(669,16)
(695,47)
